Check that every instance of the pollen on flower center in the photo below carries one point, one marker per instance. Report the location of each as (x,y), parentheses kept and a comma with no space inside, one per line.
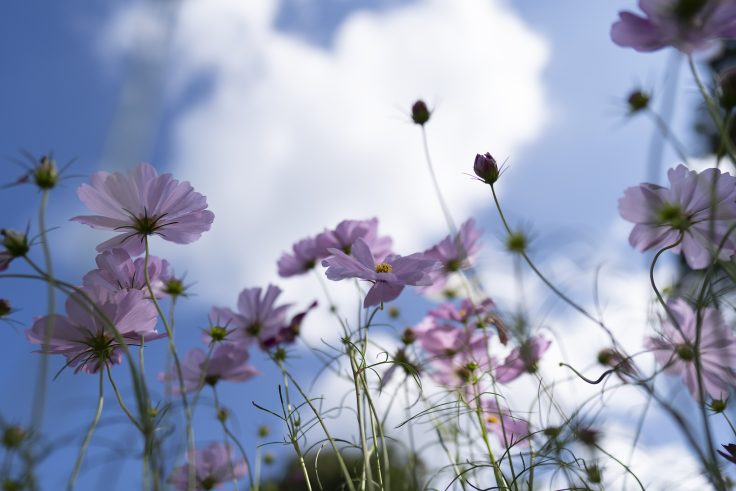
(383,268)
(492,419)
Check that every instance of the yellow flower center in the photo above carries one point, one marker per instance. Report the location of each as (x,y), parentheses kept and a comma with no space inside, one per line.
(492,419)
(383,268)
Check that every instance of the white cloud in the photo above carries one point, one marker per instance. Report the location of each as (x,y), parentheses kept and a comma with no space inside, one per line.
(291,138)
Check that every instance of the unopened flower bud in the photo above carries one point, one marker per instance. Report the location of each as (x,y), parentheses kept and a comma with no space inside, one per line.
(717,405)
(420,113)
(12,485)
(16,243)
(13,436)
(5,308)
(175,287)
(263,431)
(638,101)
(409,336)
(268,458)
(594,474)
(222,414)
(516,242)
(45,174)
(393,312)
(486,168)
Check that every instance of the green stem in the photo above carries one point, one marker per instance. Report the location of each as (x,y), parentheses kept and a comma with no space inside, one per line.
(172,349)
(293,431)
(88,436)
(39,398)
(436,184)
(120,400)
(500,480)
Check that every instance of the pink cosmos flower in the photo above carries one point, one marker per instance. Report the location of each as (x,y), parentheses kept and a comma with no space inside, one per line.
(508,429)
(348,231)
(389,277)
(86,340)
(687,25)
(522,359)
(143,203)
(453,254)
(259,319)
(305,257)
(214,466)
(699,206)
(116,271)
(228,362)
(457,355)
(674,349)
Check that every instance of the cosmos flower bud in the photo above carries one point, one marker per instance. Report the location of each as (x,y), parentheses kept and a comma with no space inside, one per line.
(486,168)
(45,174)
(637,101)
(420,113)
(13,436)
(5,307)
(16,243)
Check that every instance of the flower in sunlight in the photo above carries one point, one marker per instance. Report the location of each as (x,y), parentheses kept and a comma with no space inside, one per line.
(142,203)
(389,277)
(454,254)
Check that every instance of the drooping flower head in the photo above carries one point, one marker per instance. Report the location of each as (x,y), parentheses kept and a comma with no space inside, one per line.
(522,359)
(389,277)
(84,337)
(687,25)
(228,362)
(454,254)
(142,203)
(699,206)
(214,466)
(675,349)
(116,271)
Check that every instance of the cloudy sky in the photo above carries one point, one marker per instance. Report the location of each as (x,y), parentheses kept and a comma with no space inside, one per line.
(292,115)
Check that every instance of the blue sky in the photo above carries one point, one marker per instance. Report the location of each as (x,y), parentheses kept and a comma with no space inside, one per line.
(281,112)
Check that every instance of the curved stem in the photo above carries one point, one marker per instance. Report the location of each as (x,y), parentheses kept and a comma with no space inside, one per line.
(88,436)
(120,400)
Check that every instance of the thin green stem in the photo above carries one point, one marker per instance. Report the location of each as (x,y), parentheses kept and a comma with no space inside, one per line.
(500,480)
(293,431)
(172,349)
(39,398)
(120,400)
(445,209)
(226,432)
(88,436)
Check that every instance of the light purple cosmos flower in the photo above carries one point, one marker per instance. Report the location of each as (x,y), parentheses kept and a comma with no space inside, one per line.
(86,340)
(214,466)
(143,203)
(228,362)
(389,277)
(453,254)
(522,359)
(479,314)
(675,350)
(305,256)
(259,318)
(694,204)
(116,271)
(348,231)
(457,355)
(687,25)
(508,429)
